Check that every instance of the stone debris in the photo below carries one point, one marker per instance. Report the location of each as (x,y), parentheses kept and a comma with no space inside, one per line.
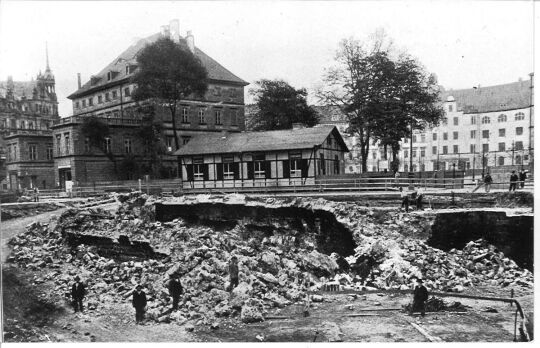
(274,271)
(436,304)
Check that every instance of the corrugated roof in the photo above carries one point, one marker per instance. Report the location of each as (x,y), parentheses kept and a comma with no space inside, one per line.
(509,96)
(290,139)
(215,70)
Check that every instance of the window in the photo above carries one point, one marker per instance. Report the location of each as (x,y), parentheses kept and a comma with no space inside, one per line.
(30,125)
(501,118)
(114,94)
(14,152)
(455,135)
(296,164)
(422,152)
(108,146)
(90,101)
(198,168)
(422,138)
(169,143)
(127,92)
(473,134)
(414,139)
(406,153)
(66,142)
(127,145)
(414,151)
(485,134)
(445,121)
(374,154)
(456,121)
(434,136)
(87,144)
(473,148)
(77,105)
(100,99)
(234,117)
(84,103)
(13,124)
(232,92)
(450,108)
(228,167)
(502,132)
(485,147)
(217,91)
(518,145)
(201,116)
(259,167)
(445,150)
(116,114)
(519,130)
(329,141)
(217,113)
(486,120)
(519,116)
(501,160)
(58,140)
(518,159)
(185,140)
(502,146)
(185,115)
(107,96)
(32,149)
(434,150)
(109,76)
(445,136)
(23,125)
(473,119)
(49,152)
(456,148)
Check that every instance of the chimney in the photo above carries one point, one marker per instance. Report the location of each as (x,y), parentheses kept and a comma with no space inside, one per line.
(165,31)
(79,80)
(190,41)
(298,126)
(174,30)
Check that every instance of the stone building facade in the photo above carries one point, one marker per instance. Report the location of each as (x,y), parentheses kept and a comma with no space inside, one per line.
(27,111)
(108,96)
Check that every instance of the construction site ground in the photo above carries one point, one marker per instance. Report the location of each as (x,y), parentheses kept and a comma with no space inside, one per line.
(371,317)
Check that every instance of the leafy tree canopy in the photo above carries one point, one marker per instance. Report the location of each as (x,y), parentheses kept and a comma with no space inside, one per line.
(167,73)
(382,93)
(96,131)
(279,105)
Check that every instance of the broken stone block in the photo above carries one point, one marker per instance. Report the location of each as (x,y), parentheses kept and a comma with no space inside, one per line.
(251,314)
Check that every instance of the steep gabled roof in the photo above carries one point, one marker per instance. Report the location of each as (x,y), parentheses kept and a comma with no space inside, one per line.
(215,70)
(509,96)
(290,139)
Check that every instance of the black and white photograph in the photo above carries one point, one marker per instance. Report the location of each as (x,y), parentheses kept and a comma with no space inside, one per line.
(292,172)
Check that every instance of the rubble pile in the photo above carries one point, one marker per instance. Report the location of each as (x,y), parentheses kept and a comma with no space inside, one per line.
(274,270)
(436,304)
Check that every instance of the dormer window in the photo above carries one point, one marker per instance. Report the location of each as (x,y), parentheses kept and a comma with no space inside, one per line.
(109,76)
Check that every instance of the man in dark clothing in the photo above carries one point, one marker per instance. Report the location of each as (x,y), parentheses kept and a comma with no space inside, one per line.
(487,182)
(233,273)
(420,298)
(522,177)
(513,181)
(404,199)
(77,294)
(139,302)
(175,290)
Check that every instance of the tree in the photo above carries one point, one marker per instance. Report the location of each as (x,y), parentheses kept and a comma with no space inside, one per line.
(279,105)
(382,95)
(167,73)
(97,131)
(150,133)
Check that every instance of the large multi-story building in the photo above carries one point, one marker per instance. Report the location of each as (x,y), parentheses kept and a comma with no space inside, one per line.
(108,96)
(484,127)
(27,111)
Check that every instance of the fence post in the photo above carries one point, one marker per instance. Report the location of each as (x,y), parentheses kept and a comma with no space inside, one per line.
(147,179)
(140,185)
(385,184)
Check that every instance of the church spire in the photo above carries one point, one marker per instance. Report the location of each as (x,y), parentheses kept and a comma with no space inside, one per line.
(47,56)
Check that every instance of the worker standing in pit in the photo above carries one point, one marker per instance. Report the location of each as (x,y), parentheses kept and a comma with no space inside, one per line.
(233,273)
(419,299)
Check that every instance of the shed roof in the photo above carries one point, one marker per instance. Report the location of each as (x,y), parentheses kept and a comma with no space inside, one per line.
(290,139)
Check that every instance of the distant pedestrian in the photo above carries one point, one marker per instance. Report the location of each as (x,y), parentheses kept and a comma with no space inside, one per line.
(396,178)
(419,199)
(77,294)
(513,181)
(522,177)
(175,290)
(362,270)
(487,181)
(233,273)
(404,199)
(419,298)
(36,194)
(139,303)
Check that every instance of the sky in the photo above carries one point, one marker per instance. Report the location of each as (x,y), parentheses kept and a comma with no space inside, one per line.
(465,43)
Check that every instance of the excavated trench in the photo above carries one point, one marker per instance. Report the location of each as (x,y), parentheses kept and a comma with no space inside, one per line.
(513,235)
